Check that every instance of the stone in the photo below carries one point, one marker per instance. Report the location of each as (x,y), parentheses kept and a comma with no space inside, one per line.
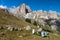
(10,28)
(20,36)
(53,27)
(39,30)
(20,29)
(33,31)
(1,27)
(38,26)
(16,29)
(28,27)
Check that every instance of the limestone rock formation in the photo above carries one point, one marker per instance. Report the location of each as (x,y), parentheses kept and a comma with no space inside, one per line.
(4,9)
(20,10)
(52,14)
(28,27)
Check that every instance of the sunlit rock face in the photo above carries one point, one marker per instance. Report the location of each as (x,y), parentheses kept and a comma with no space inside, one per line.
(20,10)
(52,14)
(28,15)
(31,15)
(42,14)
(24,9)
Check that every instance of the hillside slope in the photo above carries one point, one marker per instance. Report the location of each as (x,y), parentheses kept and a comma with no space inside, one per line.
(7,19)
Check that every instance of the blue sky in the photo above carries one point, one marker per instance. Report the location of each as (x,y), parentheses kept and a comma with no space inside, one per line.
(34,4)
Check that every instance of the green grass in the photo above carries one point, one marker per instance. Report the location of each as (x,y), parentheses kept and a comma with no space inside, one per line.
(7,19)
(14,35)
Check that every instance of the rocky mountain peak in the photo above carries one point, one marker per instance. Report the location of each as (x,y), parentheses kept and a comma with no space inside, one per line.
(20,10)
(24,9)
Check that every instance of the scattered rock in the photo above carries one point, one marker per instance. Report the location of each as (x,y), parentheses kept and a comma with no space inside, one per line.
(16,29)
(10,28)
(33,31)
(1,27)
(20,36)
(39,30)
(28,27)
(53,27)
(20,29)
(38,26)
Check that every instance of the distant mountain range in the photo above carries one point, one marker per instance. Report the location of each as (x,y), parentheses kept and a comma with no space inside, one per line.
(24,10)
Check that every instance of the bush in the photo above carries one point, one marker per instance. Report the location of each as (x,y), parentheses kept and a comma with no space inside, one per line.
(28,20)
(47,28)
(35,23)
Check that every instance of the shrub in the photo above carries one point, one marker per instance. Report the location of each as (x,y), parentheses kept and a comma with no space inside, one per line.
(28,20)
(47,28)
(35,23)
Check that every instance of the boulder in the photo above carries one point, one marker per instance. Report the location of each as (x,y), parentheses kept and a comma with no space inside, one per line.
(20,36)
(16,29)
(1,27)
(33,31)
(28,27)
(38,26)
(10,28)
(20,29)
(39,30)
(53,27)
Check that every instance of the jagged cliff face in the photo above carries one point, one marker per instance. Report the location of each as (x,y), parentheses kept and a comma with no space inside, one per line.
(20,10)
(25,11)
(43,14)
(45,18)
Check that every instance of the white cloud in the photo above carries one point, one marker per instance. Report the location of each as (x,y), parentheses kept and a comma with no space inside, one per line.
(50,11)
(14,6)
(2,6)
